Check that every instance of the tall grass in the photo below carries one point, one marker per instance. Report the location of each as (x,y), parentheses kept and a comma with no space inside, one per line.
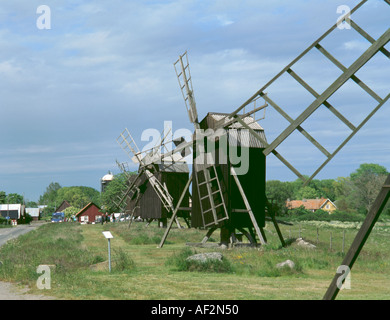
(51,244)
(160,273)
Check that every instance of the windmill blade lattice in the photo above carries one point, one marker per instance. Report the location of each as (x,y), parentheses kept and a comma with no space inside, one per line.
(321,99)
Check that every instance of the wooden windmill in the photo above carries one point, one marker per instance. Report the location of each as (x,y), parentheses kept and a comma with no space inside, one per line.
(152,192)
(215,212)
(222,198)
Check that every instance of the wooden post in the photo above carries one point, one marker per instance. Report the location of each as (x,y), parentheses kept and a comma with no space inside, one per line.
(174,213)
(271,213)
(361,237)
(208,235)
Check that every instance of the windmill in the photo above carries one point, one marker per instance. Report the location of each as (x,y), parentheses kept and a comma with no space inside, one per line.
(222,199)
(208,174)
(148,194)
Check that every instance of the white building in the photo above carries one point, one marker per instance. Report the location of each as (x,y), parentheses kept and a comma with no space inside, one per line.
(33,212)
(13,211)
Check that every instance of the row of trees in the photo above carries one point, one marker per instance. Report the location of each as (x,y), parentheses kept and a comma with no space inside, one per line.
(353,194)
(14,198)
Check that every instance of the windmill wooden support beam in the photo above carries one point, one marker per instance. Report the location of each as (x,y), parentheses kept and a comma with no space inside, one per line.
(259,232)
(271,215)
(174,214)
(361,237)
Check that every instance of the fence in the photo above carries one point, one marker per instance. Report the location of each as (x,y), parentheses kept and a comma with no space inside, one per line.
(336,239)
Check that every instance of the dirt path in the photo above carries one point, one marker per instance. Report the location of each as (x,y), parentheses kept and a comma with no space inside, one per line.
(9,291)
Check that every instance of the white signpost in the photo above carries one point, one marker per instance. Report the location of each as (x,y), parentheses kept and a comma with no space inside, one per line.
(108,236)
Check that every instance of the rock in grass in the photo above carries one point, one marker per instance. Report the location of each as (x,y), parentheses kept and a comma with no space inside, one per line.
(302,243)
(288,263)
(203,257)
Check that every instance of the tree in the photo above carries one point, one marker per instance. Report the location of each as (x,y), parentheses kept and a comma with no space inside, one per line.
(278,192)
(14,198)
(369,169)
(3,197)
(114,191)
(367,181)
(71,211)
(50,194)
(31,204)
(78,197)
(324,188)
(306,193)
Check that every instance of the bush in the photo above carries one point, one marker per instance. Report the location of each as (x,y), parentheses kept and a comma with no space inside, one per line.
(321,215)
(3,221)
(123,261)
(26,219)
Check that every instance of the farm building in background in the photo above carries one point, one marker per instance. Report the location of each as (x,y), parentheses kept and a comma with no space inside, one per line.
(34,213)
(89,214)
(105,180)
(65,204)
(312,204)
(13,211)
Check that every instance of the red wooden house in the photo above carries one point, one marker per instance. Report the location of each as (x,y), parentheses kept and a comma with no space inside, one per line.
(89,213)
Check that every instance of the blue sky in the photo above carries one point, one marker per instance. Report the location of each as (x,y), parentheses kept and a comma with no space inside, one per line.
(68,92)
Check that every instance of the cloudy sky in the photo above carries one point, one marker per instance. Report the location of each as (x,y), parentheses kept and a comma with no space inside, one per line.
(66,93)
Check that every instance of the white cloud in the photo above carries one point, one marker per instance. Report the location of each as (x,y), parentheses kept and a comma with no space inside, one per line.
(356,45)
(108,65)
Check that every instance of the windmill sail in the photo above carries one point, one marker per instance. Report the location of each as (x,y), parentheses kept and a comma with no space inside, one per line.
(322,98)
(183,74)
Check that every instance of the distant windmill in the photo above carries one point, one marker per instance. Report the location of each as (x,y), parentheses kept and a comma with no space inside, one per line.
(148,192)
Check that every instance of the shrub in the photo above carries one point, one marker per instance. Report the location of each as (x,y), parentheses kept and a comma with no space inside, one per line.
(123,261)
(321,215)
(3,221)
(26,219)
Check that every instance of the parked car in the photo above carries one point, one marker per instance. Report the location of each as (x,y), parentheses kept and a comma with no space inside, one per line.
(58,217)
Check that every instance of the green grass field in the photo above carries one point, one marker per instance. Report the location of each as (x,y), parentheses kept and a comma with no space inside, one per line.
(141,271)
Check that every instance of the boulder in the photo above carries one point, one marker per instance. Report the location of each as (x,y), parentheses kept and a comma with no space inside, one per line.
(203,257)
(288,263)
(302,243)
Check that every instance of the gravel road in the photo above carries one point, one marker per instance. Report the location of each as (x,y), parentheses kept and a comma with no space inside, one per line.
(9,291)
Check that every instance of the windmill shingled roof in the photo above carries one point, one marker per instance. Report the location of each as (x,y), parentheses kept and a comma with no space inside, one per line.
(236,125)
